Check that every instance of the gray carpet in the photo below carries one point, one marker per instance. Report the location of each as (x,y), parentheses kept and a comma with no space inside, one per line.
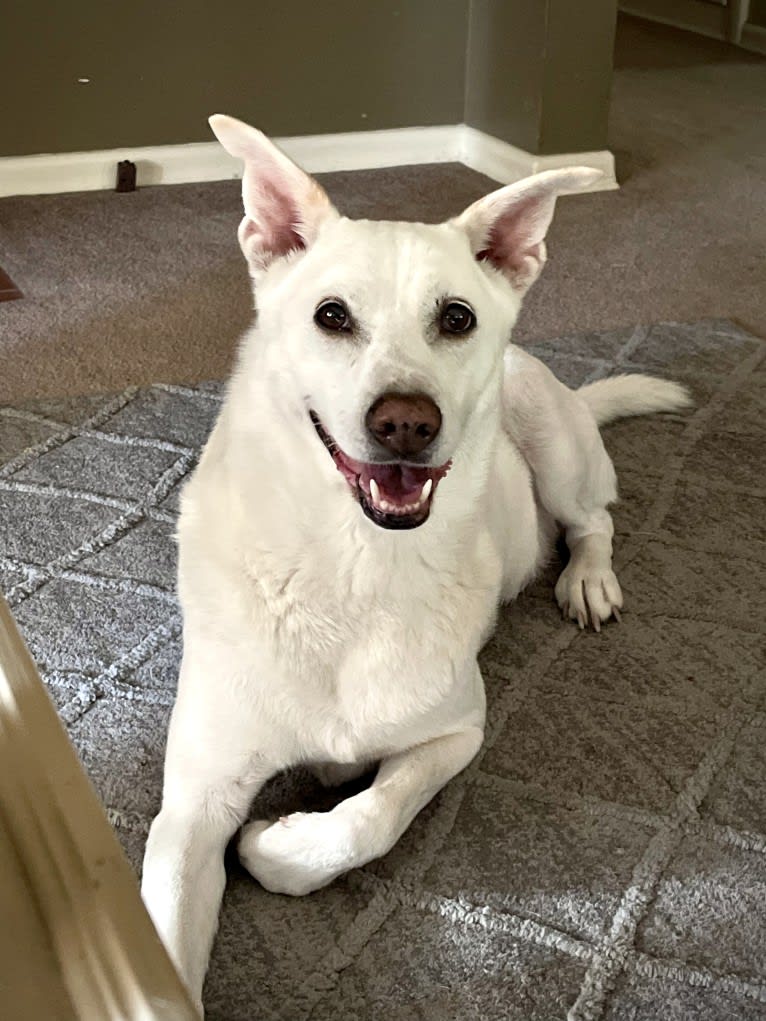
(604,858)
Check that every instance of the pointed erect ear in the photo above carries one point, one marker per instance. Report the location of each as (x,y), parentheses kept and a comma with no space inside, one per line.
(507,228)
(284,206)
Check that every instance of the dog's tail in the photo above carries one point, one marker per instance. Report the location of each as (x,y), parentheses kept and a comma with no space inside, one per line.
(621,396)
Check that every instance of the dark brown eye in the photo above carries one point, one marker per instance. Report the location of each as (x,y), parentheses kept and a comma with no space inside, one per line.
(332,315)
(457,318)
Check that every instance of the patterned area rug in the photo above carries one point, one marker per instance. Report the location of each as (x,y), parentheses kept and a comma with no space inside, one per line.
(603,858)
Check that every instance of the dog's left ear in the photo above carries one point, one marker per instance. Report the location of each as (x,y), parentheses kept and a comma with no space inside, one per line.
(507,228)
(284,206)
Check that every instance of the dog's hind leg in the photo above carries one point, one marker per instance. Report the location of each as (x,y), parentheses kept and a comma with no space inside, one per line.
(574,478)
(305,851)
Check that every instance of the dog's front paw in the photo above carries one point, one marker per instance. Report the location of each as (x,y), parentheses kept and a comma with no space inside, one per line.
(299,854)
(587,592)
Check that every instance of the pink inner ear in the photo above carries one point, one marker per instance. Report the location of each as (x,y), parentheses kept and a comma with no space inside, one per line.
(514,237)
(515,242)
(273,226)
(280,221)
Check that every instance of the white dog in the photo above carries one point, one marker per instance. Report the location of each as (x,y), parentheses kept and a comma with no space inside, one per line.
(386,471)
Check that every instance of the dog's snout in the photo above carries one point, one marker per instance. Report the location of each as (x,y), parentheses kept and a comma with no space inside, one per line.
(404,424)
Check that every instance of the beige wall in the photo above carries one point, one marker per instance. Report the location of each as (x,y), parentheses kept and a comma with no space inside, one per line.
(506,52)
(539,72)
(533,72)
(157,68)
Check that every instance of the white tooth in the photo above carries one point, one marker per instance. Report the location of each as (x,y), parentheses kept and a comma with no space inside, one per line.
(425,492)
(385,506)
(374,492)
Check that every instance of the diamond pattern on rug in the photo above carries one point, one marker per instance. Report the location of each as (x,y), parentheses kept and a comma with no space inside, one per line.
(604,857)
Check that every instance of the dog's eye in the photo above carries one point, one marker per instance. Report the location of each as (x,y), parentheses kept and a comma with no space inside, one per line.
(332,315)
(457,318)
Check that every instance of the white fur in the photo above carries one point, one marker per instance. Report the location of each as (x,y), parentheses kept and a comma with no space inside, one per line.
(311,634)
(621,396)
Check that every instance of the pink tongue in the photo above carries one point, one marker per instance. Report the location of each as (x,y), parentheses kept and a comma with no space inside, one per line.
(397,483)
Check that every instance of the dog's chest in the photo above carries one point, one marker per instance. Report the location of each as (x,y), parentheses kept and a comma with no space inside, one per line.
(369,652)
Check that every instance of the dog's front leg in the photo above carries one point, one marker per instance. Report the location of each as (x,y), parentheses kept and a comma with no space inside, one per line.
(210,782)
(305,851)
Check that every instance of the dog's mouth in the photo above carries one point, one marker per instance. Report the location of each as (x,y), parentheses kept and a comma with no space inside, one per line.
(393,495)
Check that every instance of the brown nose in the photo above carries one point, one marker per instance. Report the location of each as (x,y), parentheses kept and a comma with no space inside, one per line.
(404,423)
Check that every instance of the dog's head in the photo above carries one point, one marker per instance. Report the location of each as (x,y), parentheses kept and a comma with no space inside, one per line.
(389,336)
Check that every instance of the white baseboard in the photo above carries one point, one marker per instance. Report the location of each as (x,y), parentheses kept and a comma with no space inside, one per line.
(505,163)
(708,19)
(357,150)
(753,38)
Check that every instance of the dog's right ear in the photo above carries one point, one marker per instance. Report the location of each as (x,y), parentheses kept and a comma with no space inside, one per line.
(284,207)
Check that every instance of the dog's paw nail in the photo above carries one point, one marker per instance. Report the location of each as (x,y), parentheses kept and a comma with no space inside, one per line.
(616,614)
(291,819)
